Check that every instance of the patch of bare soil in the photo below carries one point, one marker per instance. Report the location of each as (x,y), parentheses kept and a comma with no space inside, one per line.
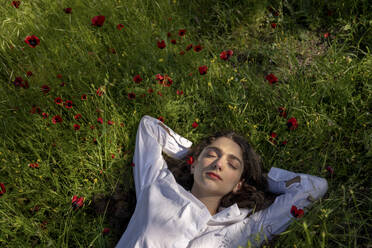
(116,208)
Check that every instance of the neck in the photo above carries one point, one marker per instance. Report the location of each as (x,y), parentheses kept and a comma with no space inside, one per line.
(211,202)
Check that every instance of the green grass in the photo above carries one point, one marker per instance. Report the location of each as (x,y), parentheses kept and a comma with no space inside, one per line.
(325,83)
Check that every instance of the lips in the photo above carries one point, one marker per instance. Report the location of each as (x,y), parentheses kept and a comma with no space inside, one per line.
(214,175)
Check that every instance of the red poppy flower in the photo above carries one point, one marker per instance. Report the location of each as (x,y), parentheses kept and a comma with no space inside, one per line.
(150,90)
(100,91)
(169,81)
(173,41)
(188,47)
(67,10)
(18,81)
(57,119)
(225,55)
(159,77)
(273,25)
(179,92)
(112,155)
(292,123)
(83,97)
(330,170)
(112,50)
(105,230)
(169,34)
(137,79)
(32,41)
(16,4)
(35,109)
(161,118)
(161,44)
(29,73)
(98,21)
(3,190)
(119,26)
(271,78)
(33,165)
(273,136)
(45,115)
(58,100)
(92,127)
(284,143)
(35,209)
(77,202)
(194,125)
(100,120)
(68,104)
(181,32)
(45,89)
(59,75)
(326,35)
(203,69)
(282,112)
(274,12)
(298,213)
(77,116)
(182,52)
(159,93)
(25,86)
(43,225)
(190,160)
(198,48)
(110,122)
(131,95)
(76,126)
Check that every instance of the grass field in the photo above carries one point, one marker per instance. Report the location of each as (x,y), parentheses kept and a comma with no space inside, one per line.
(76,77)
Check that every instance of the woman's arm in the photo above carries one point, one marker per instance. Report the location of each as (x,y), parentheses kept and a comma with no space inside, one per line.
(297,192)
(151,140)
(293,180)
(296,179)
(166,129)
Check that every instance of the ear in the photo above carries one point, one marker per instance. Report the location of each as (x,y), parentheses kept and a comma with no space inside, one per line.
(192,169)
(239,186)
(193,165)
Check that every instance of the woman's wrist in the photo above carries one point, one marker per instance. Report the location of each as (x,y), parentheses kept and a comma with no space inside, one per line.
(296,179)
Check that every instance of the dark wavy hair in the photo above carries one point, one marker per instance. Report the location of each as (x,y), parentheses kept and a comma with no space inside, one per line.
(254,192)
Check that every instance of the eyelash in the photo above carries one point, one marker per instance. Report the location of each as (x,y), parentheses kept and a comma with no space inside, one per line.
(229,163)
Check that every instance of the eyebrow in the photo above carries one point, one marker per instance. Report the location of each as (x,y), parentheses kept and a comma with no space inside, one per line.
(230,155)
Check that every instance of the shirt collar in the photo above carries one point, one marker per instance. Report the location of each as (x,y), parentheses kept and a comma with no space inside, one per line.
(228,215)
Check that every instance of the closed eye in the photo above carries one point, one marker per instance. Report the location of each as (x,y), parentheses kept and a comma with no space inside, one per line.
(209,156)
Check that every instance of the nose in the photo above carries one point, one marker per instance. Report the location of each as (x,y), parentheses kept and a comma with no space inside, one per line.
(219,163)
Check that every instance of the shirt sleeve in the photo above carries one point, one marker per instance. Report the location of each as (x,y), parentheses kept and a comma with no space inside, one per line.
(151,139)
(293,199)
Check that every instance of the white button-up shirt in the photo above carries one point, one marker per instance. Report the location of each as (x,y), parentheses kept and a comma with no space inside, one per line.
(168,216)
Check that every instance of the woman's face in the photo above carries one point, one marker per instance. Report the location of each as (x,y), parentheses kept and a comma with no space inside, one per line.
(223,157)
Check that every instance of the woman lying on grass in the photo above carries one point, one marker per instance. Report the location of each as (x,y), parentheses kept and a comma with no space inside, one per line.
(221,199)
